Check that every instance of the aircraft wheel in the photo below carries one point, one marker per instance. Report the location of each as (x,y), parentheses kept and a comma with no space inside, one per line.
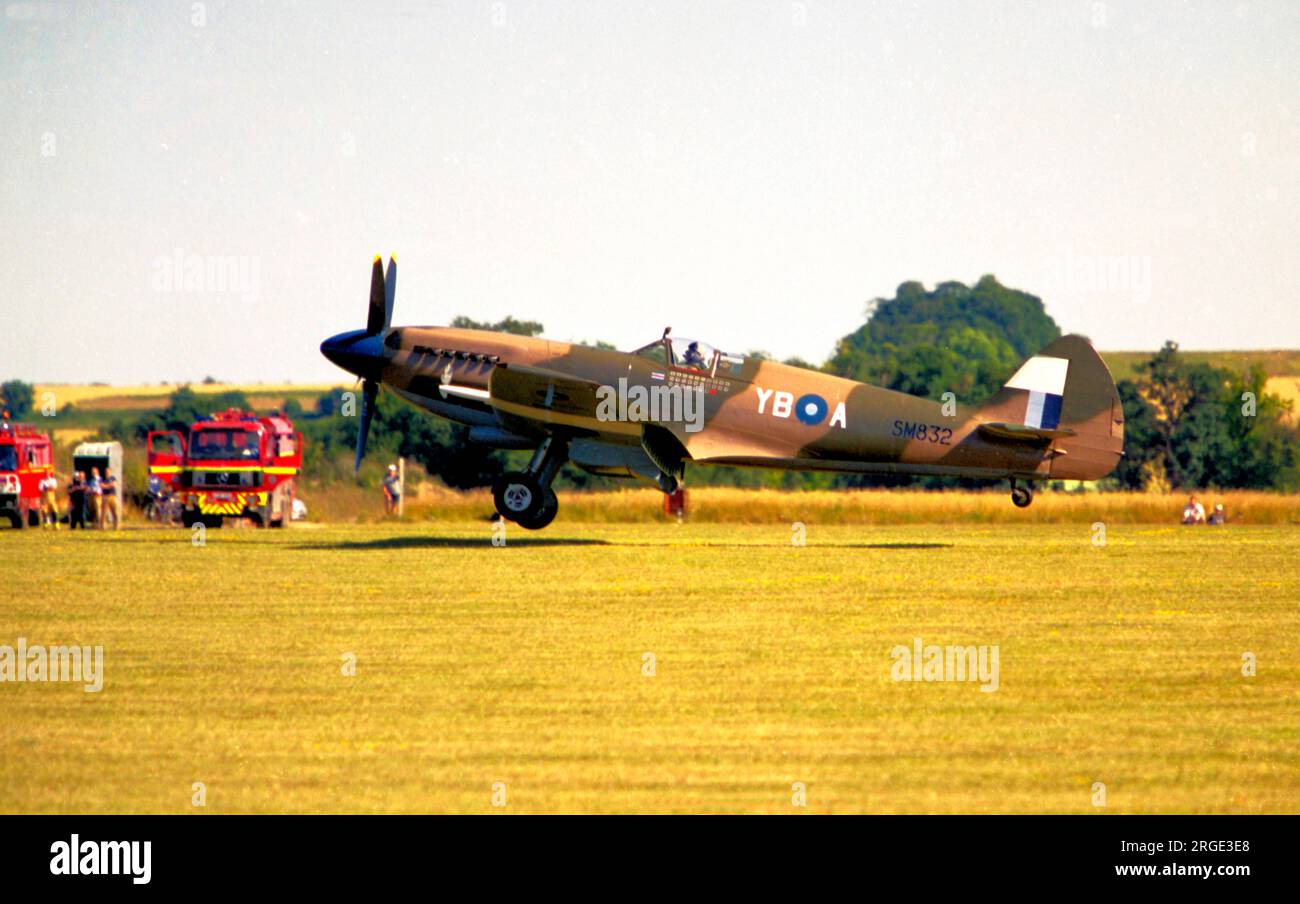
(518,496)
(545,515)
(1021,497)
(667,483)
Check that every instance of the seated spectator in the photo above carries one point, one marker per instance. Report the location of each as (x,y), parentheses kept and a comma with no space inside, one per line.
(1218,516)
(1194,513)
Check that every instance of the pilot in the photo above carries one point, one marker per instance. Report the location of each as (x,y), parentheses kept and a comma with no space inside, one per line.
(693,358)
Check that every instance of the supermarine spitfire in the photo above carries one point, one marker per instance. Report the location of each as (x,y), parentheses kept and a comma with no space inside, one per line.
(645,414)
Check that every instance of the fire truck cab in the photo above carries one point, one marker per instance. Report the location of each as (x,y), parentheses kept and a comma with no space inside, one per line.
(25,460)
(233,464)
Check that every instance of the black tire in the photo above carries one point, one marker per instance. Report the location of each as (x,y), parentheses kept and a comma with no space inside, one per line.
(212,521)
(189,518)
(1021,497)
(33,518)
(518,496)
(15,519)
(545,515)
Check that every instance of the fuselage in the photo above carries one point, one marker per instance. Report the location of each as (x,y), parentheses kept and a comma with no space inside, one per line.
(755,412)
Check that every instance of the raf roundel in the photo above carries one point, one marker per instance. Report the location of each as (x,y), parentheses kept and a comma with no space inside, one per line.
(810,409)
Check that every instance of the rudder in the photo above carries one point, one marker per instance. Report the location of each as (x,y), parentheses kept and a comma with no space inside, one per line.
(1065,392)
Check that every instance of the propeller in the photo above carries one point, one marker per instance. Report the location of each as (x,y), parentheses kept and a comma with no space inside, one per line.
(369,396)
(378,317)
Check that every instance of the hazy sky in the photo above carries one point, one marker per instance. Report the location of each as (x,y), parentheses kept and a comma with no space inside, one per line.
(749,172)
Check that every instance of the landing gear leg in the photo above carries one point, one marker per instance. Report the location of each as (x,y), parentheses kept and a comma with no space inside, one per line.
(526,497)
(1021,496)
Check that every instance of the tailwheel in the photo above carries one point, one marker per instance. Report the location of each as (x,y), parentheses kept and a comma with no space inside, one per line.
(1021,496)
(668,484)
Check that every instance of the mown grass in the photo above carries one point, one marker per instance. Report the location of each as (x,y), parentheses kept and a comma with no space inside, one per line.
(524,665)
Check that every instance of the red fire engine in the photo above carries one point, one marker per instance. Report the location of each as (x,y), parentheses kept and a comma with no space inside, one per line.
(234,464)
(25,460)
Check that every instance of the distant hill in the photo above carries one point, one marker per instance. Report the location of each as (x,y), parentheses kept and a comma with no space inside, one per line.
(100,396)
(1276,362)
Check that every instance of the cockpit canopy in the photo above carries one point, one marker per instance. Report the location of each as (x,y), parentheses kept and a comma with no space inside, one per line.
(692,355)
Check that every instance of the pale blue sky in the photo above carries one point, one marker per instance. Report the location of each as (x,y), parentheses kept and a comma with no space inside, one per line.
(749,172)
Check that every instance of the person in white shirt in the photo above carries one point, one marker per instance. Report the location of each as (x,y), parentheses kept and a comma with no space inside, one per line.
(49,489)
(1194,513)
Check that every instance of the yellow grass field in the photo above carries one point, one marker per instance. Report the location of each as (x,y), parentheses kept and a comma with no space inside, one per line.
(104,397)
(1287,388)
(525,667)
(730,505)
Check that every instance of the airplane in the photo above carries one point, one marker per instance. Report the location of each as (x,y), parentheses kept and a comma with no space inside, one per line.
(1059,417)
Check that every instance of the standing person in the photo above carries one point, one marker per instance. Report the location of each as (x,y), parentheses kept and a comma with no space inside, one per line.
(392,490)
(49,487)
(94,495)
(109,502)
(77,501)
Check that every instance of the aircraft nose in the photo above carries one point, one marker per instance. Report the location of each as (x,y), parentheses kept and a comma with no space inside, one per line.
(357,352)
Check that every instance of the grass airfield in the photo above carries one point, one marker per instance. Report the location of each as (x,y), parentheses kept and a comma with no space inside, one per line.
(524,665)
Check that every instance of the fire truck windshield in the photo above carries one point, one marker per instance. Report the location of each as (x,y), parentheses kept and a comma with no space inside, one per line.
(8,458)
(215,443)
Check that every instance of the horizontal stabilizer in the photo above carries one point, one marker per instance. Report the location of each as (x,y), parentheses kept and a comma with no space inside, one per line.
(1022,434)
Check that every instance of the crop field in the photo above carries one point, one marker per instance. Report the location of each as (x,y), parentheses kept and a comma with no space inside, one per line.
(657,668)
(95,396)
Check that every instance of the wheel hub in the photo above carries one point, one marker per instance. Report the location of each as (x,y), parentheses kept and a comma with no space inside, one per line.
(518,497)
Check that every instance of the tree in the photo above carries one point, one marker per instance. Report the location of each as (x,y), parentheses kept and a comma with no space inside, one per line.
(965,340)
(1163,386)
(1195,426)
(508,325)
(16,397)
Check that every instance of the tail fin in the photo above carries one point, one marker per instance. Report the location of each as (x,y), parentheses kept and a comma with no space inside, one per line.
(1064,398)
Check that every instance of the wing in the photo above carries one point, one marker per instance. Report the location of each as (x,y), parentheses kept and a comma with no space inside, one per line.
(550,397)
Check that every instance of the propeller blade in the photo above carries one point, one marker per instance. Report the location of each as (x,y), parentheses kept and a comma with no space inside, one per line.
(390,290)
(369,392)
(376,317)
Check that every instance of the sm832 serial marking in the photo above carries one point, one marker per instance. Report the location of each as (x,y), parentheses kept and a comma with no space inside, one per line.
(931,433)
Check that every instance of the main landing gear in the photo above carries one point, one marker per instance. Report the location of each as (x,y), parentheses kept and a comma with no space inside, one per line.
(526,497)
(1021,496)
